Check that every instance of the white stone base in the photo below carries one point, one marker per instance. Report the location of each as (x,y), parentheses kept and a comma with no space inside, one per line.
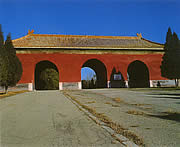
(30,86)
(60,86)
(164,83)
(79,85)
(70,85)
(151,83)
(108,84)
(126,84)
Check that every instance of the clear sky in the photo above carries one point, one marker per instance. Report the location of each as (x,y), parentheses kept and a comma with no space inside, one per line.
(91,17)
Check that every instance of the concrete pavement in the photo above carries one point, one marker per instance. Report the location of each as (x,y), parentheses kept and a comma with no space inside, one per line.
(153,115)
(47,119)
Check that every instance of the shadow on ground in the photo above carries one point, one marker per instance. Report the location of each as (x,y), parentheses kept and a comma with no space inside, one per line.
(168,116)
(166,95)
(170,94)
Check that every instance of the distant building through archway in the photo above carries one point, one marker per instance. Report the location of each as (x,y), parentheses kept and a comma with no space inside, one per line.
(100,70)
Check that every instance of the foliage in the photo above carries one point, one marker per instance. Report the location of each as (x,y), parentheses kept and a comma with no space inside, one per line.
(89,84)
(10,66)
(1,37)
(49,79)
(170,61)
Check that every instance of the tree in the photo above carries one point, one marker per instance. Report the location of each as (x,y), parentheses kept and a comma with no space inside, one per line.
(10,66)
(170,67)
(49,79)
(1,37)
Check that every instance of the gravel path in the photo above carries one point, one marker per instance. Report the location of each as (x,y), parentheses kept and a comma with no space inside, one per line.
(47,119)
(152,115)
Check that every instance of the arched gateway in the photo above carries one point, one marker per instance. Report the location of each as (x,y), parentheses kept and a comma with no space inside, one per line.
(100,70)
(118,61)
(46,76)
(138,75)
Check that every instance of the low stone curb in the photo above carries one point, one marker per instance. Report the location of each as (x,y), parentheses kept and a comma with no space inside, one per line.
(122,139)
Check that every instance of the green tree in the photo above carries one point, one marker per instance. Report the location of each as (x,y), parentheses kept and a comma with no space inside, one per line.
(49,79)
(170,67)
(1,37)
(10,66)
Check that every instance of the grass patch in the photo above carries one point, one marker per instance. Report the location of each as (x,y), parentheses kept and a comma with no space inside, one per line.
(147,108)
(91,102)
(135,126)
(134,112)
(118,100)
(115,105)
(11,93)
(141,104)
(116,127)
(108,103)
(144,106)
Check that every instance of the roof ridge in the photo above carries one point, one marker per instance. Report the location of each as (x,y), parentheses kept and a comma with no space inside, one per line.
(87,36)
(21,38)
(152,41)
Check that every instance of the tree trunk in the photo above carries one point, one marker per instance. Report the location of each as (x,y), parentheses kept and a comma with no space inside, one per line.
(5,89)
(176,82)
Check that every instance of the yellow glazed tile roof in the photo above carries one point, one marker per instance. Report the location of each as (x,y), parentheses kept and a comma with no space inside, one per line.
(83,41)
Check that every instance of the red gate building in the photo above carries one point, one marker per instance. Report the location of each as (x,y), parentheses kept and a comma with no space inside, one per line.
(136,59)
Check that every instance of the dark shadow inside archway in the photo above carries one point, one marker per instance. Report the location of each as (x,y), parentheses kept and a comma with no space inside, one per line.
(46,76)
(116,79)
(138,75)
(100,70)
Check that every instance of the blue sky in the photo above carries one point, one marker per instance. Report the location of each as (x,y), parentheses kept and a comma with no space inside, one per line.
(91,17)
(87,73)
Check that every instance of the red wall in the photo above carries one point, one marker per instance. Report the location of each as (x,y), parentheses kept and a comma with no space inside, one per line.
(69,65)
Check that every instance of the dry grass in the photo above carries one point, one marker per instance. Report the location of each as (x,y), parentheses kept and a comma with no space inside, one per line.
(114,141)
(91,102)
(11,93)
(118,100)
(116,127)
(135,126)
(147,108)
(141,104)
(108,103)
(134,112)
(115,105)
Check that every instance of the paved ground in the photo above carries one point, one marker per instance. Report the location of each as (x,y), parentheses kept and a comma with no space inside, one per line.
(153,115)
(47,119)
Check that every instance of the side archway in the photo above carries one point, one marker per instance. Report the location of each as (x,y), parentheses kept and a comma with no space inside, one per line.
(138,75)
(116,79)
(101,73)
(46,76)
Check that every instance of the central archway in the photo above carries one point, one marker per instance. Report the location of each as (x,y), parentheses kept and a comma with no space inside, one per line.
(100,70)
(46,76)
(138,75)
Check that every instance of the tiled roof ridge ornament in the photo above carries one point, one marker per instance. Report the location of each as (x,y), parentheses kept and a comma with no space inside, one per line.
(30,32)
(139,35)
